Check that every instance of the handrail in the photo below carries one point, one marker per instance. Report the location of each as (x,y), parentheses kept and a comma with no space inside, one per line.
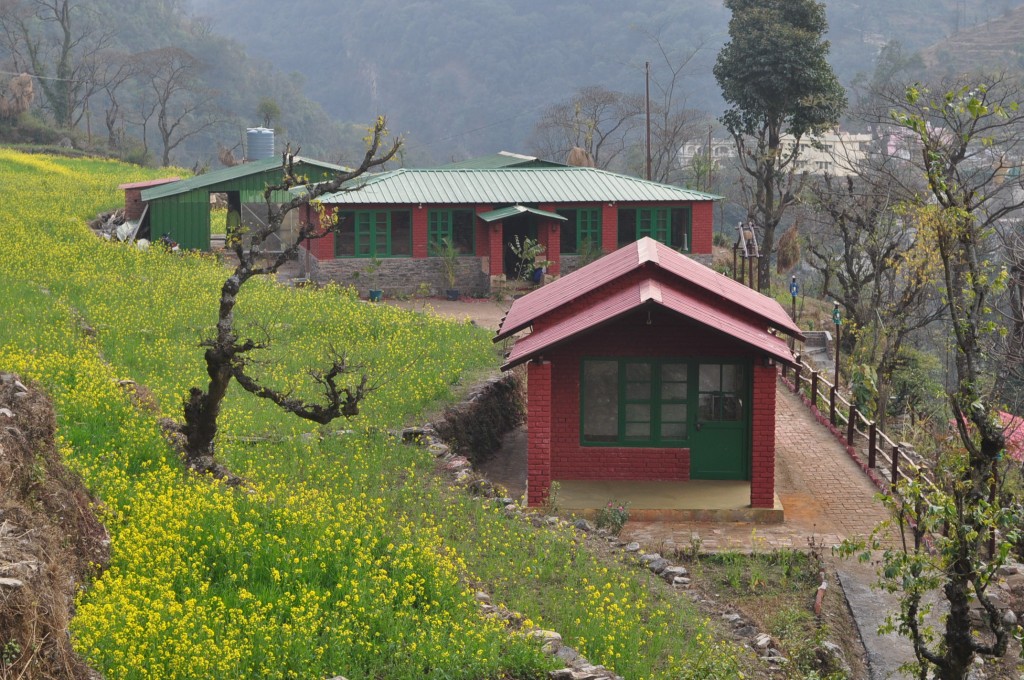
(862,435)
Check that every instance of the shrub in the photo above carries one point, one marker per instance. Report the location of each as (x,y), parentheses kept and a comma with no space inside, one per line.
(613,516)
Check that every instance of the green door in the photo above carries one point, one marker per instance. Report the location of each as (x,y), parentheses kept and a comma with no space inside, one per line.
(719,442)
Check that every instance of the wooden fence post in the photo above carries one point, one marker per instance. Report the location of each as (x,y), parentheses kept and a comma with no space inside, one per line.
(850,424)
(796,376)
(814,388)
(895,464)
(872,433)
(832,406)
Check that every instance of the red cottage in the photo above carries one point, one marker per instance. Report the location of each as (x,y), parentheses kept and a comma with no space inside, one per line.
(649,368)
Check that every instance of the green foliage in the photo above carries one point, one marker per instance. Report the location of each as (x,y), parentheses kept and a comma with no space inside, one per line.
(774,71)
(864,385)
(345,553)
(528,254)
(449,254)
(613,516)
(589,251)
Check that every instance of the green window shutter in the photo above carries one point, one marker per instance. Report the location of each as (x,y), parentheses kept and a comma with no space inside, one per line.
(364,244)
(653,222)
(439,227)
(634,402)
(589,223)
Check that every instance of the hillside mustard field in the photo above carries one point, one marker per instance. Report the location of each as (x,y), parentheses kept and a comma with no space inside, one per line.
(347,555)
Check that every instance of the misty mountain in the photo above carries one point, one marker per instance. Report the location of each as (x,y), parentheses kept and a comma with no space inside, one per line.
(467,77)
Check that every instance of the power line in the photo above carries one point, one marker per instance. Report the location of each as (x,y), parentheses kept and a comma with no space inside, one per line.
(33,75)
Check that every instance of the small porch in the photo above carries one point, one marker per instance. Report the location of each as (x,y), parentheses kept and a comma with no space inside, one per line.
(705,500)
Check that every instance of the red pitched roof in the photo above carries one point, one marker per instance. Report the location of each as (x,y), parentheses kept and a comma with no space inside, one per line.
(649,291)
(148,183)
(644,253)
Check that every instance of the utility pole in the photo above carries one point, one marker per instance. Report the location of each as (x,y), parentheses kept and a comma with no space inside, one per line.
(647,99)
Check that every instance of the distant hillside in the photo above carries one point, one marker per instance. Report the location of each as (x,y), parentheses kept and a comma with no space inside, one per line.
(998,43)
(466,77)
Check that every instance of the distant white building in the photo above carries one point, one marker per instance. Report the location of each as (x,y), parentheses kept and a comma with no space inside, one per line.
(835,153)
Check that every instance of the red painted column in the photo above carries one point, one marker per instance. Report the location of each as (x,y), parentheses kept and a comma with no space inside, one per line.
(609,228)
(321,248)
(538,432)
(419,232)
(701,227)
(495,233)
(762,478)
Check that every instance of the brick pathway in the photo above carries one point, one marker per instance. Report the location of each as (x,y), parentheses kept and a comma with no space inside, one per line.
(824,493)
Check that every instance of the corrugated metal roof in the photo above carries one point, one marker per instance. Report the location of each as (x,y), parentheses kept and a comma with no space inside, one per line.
(502,159)
(148,183)
(512,210)
(629,258)
(637,295)
(229,174)
(510,185)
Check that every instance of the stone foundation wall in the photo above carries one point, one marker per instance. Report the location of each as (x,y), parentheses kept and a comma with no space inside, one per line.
(404,276)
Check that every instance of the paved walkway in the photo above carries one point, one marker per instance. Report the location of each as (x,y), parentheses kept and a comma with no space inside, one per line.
(825,495)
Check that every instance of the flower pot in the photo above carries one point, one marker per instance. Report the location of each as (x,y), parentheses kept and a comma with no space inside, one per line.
(452,294)
(376,295)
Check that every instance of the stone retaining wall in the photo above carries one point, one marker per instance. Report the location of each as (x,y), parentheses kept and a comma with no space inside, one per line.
(405,275)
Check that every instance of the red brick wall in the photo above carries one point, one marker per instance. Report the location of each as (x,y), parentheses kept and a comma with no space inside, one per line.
(419,231)
(549,233)
(538,418)
(609,228)
(701,227)
(762,483)
(132,204)
(497,253)
(668,335)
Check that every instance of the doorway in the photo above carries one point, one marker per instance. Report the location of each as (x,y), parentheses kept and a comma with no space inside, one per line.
(518,227)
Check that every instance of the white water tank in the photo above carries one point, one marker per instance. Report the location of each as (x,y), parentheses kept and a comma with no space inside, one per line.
(259,142)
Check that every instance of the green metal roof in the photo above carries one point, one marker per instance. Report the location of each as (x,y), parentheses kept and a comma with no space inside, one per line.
(502,213)
(502,159)
(230,174)
(508,185)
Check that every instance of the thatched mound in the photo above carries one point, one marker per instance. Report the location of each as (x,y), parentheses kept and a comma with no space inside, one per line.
(49,540)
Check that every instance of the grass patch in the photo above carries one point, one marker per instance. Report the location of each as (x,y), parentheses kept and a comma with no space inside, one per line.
(776,591)
(347,556)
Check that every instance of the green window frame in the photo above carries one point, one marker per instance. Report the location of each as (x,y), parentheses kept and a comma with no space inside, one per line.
(581,224)
(458,225)
(669,225)
(373,233)
(634,402)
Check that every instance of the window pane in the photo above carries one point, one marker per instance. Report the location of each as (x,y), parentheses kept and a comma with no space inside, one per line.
(627,226)
(732,407)
(640,431)
(673,390)
(675,413)
(638,390)
(675,372)
(463,228)
(600,401)
(673,430)
(707,407)
(638,413)
(568,241)
(710,377)
(733,378)
(636,371)
(401,233)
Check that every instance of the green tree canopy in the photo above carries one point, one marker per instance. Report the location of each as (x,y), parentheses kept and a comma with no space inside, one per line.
(775,79)
(774,71)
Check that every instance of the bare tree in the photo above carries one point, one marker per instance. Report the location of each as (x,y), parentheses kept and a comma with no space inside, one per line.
(964,135)
(59,41)
(183,108)
(867,253)
(597,120)
(114,70)
(228,355)
(673,124)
